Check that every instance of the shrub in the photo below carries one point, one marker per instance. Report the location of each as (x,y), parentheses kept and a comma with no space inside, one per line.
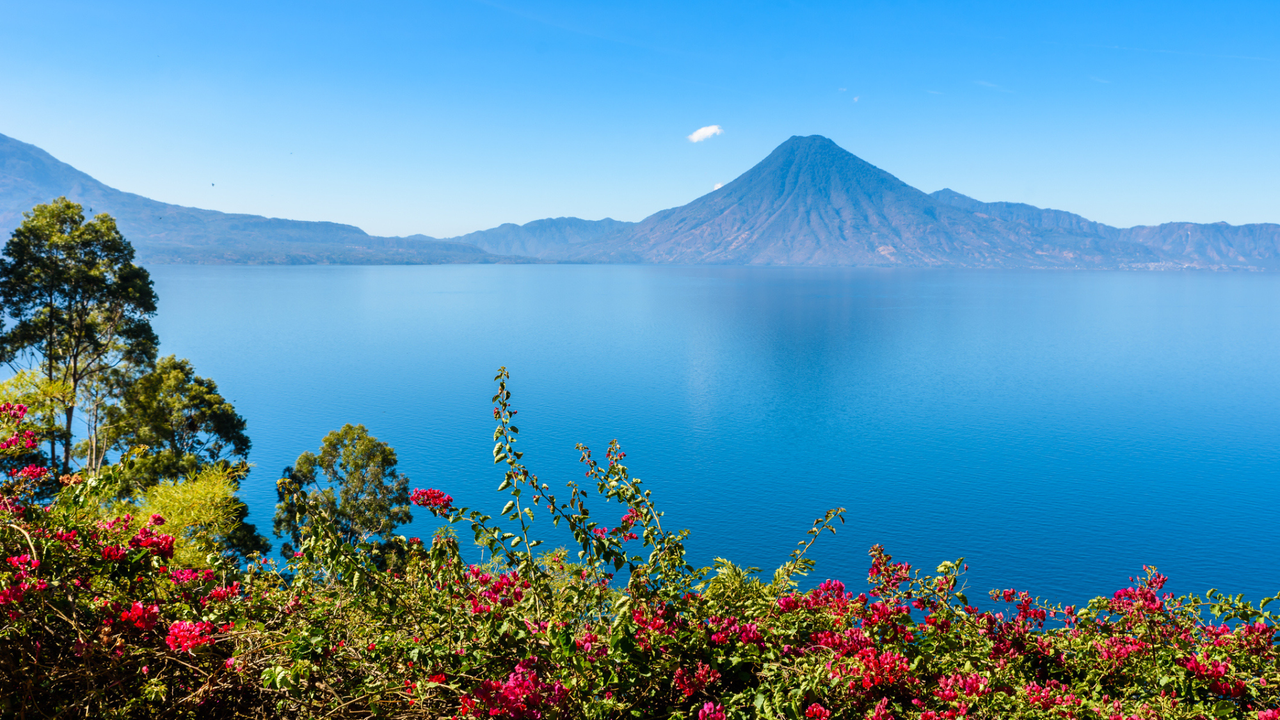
(100,624)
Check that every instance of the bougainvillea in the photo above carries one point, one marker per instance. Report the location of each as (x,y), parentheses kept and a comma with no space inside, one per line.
(619,626)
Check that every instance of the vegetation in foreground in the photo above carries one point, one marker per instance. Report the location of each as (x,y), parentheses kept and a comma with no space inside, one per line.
(133,588)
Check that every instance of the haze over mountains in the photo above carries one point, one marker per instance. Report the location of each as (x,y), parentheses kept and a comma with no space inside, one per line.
(808,203)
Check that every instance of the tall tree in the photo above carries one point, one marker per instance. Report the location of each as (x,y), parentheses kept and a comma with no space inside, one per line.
(79,305)
(179,419)
(352,483)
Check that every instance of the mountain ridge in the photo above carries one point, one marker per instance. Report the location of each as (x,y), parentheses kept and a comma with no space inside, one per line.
(161,232)
(809,202)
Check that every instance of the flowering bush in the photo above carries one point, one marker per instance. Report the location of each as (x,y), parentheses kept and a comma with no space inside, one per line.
(98,624)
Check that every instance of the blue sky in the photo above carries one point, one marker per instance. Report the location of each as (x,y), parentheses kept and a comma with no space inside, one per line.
(443,118)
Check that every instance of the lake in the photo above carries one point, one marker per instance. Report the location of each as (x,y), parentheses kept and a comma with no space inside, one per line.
(1057,429)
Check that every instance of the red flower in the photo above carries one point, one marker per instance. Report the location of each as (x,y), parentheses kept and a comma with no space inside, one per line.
(185,635)
(111,552)
(434,500)
(141,616)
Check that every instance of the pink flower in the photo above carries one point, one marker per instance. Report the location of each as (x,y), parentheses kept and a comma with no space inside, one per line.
(141,616)
(225,593)
(881,710)
(30,472)
(186,575)
(692,683)
(159,545)
(24,560)
(434,500)
(111,552)
(711,711)
(817,712)
(185,635)
(156,519)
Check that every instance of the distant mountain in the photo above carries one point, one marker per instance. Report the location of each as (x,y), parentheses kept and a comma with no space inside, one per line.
(163,233)
(551,238)
(1217,245)
(1026,214)
(811,202)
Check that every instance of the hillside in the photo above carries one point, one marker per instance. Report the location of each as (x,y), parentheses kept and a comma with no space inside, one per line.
(163,233)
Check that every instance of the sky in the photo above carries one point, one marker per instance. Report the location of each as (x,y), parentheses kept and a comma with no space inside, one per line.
(447,117)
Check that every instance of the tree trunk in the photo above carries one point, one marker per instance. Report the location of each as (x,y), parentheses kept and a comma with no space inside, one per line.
(66,443)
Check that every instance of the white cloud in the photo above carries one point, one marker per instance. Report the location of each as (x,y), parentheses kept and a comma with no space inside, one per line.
(705,132)
(717,186)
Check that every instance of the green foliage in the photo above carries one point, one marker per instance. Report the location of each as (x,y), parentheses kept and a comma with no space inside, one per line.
(352,484)
(100,625)
(201,512)
(79,305)
(179,419)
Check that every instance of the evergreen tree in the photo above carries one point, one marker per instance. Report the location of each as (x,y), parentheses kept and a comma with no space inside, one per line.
(80,307)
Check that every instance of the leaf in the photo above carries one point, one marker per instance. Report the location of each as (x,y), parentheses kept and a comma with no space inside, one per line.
(507,508)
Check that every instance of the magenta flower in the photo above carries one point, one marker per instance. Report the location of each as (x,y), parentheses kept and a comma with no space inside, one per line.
(185,635)
(434,500)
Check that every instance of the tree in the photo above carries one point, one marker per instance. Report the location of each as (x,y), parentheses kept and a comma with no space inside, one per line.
(179,428)
(80,306)
(180,419)
(352,484)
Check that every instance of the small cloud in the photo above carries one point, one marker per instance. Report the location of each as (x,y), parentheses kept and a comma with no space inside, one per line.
(717,186)
(844,89)
(933,92)
(991,85)
(855,98)
(705,132)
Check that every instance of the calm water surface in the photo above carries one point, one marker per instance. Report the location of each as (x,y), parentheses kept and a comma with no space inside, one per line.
(1059,430)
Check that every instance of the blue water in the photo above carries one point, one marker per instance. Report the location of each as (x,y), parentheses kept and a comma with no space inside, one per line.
(1059,430)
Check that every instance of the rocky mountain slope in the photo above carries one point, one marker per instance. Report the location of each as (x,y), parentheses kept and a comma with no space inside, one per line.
(163,233)
(812,203)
